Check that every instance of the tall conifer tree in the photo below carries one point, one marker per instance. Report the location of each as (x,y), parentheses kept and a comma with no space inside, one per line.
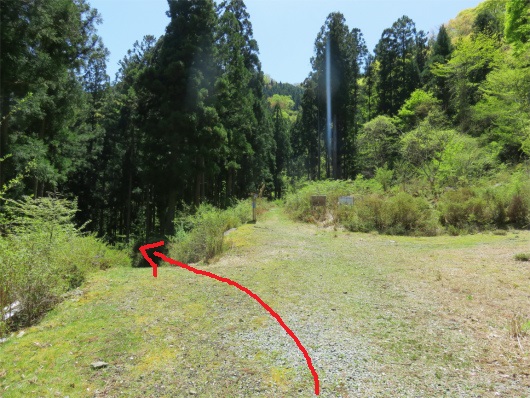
(185,133)
(401,54)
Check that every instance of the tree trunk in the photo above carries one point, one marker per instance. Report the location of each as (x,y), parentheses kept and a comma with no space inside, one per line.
(35,188)
(199,181)
(128,208)
(334,147)
(319,149)
(167,216)
(229,184)
(101,221)
(4,129)
(148,224)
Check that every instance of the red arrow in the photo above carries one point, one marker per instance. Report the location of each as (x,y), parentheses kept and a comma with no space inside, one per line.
(274,314)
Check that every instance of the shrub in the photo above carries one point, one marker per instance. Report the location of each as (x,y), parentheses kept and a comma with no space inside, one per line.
(483,208)
(200,236)
(406,209)
(384,176)
(366,215)
(470,209)
(298,204)
(518,211)
(399,214)
(44,256)
(453,207)
(522,257)
(405,214)
(377,144)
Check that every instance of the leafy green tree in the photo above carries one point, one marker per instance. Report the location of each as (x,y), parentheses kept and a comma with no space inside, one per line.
(286,104)
(474,57)
(368,99)
(283,149)
(517,23)
(295,91)
(306,134)
(121,198)
(503,112)
(487,24)
(463,161)
(184,129)
(423,149)
(378,145)
(417,108)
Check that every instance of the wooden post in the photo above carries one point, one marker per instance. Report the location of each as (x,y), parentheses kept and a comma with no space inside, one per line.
(254,197)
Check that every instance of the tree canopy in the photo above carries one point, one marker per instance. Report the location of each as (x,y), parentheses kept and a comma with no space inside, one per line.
(191,118)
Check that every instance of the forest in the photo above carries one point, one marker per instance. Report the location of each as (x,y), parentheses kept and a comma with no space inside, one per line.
(191,118)
(417,285)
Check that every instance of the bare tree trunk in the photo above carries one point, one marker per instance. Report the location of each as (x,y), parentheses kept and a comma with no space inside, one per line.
(128,208)
(197,199)
(334,147)
(101,221)
(35,188)
(148,223)
(319,151)
(199,181)
(229,183)
(166,223)
(4,129)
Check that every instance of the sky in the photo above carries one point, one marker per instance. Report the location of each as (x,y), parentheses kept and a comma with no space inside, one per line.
(284,29)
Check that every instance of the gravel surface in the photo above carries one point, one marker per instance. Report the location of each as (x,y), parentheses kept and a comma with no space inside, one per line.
(339,357)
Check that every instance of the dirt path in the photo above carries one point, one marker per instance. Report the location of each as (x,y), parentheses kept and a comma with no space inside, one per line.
(390,316)
(380,316)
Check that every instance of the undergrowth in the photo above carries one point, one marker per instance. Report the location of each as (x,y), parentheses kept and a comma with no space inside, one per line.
(42,256)
(200,236)
(407,208)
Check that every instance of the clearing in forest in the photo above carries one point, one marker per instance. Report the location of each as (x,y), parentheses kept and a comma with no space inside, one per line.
(379,315)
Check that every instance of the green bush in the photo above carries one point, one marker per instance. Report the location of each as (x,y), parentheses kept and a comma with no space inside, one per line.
(409,207)
(477,208)
(472,209)
(200,236)
(518,210)
(298,204)
(384,176)
(405,214)
(44,255)
(453,207)
(401,214)
(522,257)
(365,215)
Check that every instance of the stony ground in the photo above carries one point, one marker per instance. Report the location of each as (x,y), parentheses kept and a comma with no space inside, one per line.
(380,316)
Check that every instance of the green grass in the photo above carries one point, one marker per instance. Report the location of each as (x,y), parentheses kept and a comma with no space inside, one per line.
(401,302)
(522,256)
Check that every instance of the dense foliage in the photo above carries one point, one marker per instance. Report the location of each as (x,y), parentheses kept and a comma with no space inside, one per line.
(192,119)
(43,256)
(483,207)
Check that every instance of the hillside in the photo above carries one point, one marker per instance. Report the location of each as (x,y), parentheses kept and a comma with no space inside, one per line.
(462,24)
(380,316)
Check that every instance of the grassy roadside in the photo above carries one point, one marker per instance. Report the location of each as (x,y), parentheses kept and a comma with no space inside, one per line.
(381,315)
